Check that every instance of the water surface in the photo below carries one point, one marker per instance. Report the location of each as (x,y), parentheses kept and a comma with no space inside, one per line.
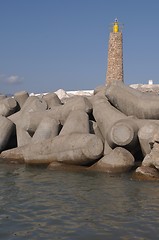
(37,204)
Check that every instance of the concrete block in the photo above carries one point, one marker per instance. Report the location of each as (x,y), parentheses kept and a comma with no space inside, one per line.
(105,114)
(124,133)
(117,161)
(23,137)
(7,106)
(74,149)
(76,122)
(6,129)
(21,97)
(52,100)
(148,134)
(47,128)
(132,102)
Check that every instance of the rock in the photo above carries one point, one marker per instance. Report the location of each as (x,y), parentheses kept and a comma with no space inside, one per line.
(61,94)
(146,173)
(117,161)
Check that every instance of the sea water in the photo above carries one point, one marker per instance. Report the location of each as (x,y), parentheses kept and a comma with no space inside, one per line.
(37,203)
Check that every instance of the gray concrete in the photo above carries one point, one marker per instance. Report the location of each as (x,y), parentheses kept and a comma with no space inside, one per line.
(94,129)
(52,100)
(132,102)
(14,155)
(6,130)
(59,113)
(21,97)
(148,134)
(32,104)
(76,122)
(2,96)
(48,128)
(123,133)
(100,91)
(31,120)
(75,103)
(23,136)
(118,160)
(7,106)
(75,149)
(152,159)
(105,114)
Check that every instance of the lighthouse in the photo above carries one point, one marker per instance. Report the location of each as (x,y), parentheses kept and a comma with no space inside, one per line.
(115,54)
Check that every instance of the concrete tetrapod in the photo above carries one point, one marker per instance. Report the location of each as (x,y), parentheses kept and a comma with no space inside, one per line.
(152,159)
(23,136)
(32,104)
(31,120)
(60,113)
(123,133)
(117,161)
(148,135)
(76,122)
(21,97)
(6,129)
(75,103)
(48,128)
(105,115)
(94,129)
(2,96)
(132,102)
(52,100)
(75,149)
(7,106)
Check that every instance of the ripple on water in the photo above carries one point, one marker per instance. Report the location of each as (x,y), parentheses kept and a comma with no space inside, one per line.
(42,204)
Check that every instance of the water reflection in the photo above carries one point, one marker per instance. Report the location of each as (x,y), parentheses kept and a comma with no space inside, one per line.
(38,204)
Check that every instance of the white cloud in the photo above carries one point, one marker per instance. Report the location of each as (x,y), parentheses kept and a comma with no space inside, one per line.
(12,79)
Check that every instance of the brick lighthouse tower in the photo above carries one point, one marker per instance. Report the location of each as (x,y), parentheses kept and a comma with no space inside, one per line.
(115,54)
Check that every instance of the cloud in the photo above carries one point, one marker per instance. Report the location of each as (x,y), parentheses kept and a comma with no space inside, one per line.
(12,79)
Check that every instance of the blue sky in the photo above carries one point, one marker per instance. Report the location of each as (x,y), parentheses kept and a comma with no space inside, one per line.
(46,45)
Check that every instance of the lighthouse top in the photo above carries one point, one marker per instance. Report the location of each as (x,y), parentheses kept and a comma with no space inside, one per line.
(116,26)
